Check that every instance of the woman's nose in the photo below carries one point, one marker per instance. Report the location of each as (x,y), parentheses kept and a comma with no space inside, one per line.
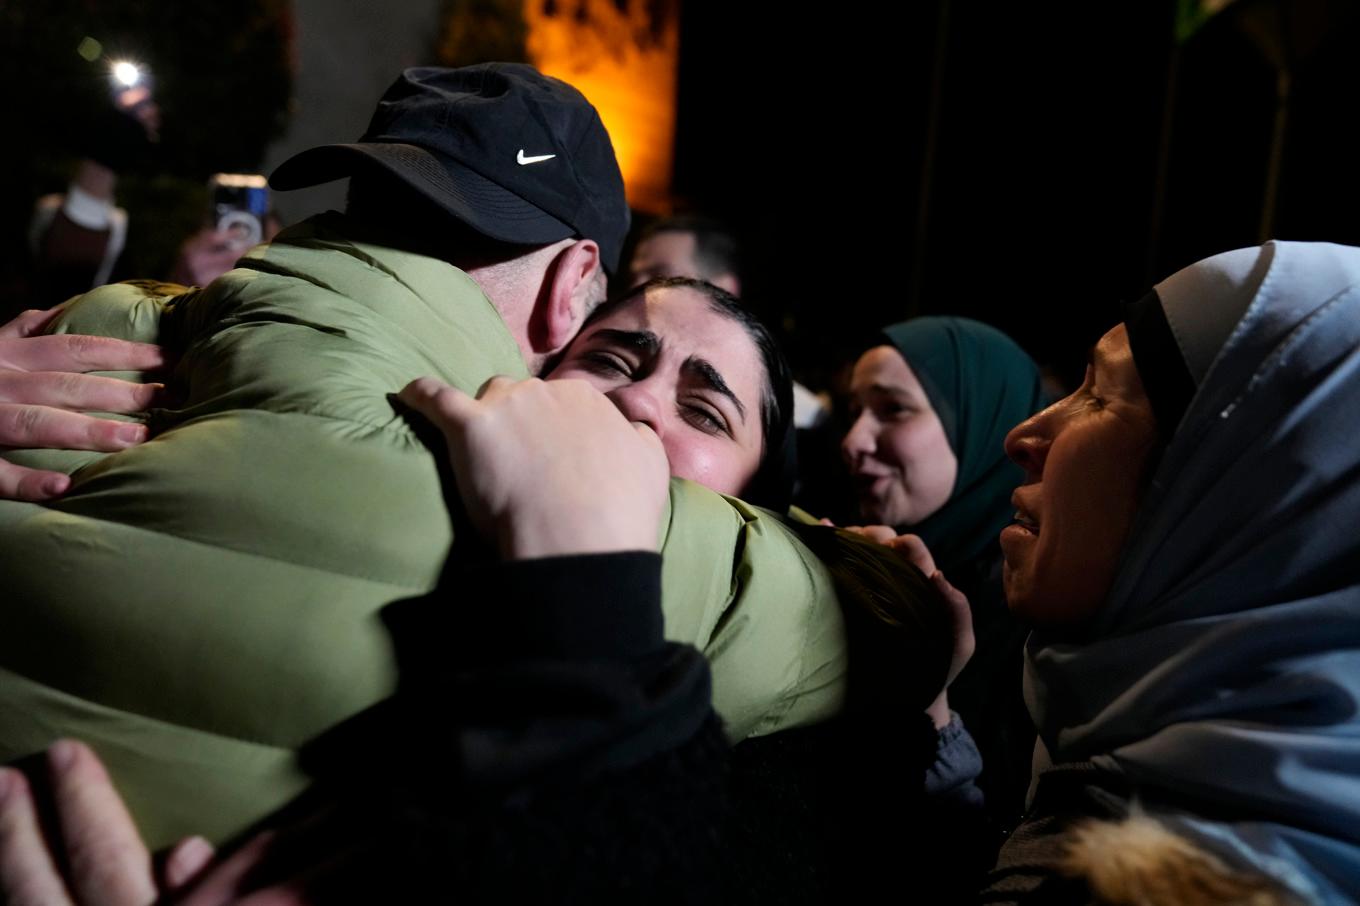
(1028,442)
(858,441)
(638,404)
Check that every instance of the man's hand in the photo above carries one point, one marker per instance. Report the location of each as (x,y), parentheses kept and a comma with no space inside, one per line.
(93,855)
(549,468)
(96,857)
(42,391)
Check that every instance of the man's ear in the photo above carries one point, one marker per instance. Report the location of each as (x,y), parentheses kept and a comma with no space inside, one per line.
(574,289)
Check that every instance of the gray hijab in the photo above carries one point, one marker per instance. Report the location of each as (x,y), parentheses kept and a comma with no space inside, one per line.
(1223,673)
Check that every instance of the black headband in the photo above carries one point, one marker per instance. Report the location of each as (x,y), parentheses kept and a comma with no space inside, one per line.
(1166,377)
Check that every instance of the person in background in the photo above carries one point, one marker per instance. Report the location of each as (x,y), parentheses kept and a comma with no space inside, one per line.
(76,237)
(240,215)
(687,245)
(931,403)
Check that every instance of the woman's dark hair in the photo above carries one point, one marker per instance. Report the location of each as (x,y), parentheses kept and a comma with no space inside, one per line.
(898,627)
(772,485)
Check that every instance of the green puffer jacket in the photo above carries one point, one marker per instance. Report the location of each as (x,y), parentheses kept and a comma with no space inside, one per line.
(200,606)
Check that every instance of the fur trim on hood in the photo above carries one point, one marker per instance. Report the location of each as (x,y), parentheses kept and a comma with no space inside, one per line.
(1139,862)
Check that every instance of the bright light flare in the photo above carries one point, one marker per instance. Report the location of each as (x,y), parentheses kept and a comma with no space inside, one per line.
(127,74)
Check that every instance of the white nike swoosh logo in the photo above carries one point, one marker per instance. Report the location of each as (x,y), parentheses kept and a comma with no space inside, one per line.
(521,159)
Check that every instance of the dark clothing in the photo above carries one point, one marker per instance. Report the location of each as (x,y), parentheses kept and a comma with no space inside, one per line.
(68,257)
(988,694)
(1026,870)
(980,384)
(581,760)
(836,812)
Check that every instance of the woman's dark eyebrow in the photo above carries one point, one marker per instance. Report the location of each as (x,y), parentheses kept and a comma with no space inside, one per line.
(878,392)
(705,372)
(643,340)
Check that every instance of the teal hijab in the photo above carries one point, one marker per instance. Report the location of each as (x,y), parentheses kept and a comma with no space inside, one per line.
(980,384)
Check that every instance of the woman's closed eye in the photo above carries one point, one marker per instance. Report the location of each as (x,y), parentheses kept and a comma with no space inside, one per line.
(608,363)
(704,417)
(883,409)
(889,409)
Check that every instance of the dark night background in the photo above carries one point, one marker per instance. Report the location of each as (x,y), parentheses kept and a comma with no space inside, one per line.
(1040,218)
(999,161)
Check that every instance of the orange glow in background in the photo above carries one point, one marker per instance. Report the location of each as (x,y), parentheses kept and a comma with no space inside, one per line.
(625,63)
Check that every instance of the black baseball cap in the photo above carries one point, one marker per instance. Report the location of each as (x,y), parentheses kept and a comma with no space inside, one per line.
(516,155)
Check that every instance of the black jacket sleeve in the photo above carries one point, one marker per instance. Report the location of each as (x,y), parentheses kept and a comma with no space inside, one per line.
(546,743)
(550,671)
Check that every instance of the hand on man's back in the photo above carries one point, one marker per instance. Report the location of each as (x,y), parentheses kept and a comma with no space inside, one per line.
(43,393)
(549,469)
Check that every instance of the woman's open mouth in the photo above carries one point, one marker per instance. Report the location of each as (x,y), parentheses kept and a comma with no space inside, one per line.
(1022,520)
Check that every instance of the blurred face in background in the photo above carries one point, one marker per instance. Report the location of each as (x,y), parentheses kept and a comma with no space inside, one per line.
(674,253)
(897,451)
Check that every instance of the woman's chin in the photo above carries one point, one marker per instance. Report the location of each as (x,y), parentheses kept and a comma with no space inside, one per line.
(870,513)
(877,509)
(1016,589)
(1044,604)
